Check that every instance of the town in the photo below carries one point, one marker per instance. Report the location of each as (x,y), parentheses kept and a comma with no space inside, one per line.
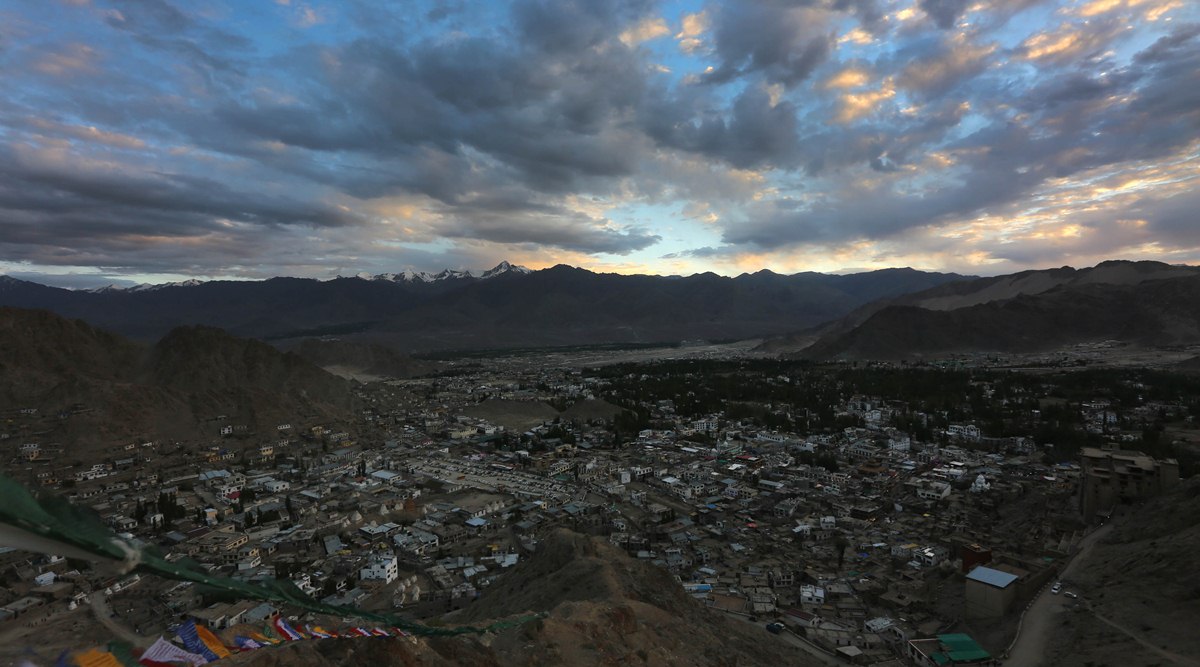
(867,514)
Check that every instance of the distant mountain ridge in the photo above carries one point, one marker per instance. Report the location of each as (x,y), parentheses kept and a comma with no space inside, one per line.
(1147,303)
(507,306)
(402,277)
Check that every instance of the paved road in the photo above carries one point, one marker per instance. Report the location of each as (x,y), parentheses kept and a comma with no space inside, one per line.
(1030,647)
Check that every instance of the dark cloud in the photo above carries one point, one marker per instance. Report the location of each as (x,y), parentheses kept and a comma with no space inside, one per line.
(782,43)
(571,26)
(753,134)
(161,134)
(867,12)
(944,12)
(98,191)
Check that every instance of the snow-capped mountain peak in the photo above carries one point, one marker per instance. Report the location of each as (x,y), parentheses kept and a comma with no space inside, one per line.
(107,288)
(504,267)
(148,287)
(446,274)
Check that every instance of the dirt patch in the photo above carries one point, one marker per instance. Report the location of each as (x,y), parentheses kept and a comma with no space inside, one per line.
(512,415)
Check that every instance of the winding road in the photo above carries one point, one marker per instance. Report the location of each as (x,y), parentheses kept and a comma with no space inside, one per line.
(1029,648)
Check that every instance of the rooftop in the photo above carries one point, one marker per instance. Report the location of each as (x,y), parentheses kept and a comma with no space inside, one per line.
(992,577)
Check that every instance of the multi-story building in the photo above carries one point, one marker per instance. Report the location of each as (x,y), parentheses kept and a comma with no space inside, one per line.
(1112,476)
(381,568)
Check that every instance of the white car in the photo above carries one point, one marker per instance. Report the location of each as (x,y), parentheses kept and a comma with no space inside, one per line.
(1056,588)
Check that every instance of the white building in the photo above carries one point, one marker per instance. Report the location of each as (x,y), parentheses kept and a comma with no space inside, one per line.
(810,594)
(381,568)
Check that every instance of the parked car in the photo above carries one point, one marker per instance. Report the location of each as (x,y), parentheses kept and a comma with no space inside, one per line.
(775,628)
(1056,588)
(1071,595)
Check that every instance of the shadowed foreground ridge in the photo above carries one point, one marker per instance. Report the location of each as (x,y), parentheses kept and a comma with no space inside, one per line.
(604,607)
(117,388)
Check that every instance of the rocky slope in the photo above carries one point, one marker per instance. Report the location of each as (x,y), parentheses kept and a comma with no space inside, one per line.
(1141,588)
(113,388)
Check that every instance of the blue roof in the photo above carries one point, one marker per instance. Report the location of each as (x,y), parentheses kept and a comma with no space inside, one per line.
(992,577)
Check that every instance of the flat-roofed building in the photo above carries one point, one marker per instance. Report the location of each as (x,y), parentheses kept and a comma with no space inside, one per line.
(943,650)
(990,592)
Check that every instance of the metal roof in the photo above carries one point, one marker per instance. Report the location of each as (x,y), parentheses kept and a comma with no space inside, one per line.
(992,577)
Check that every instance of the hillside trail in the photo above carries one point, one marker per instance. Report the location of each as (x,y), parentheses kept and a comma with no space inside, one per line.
(1173,657)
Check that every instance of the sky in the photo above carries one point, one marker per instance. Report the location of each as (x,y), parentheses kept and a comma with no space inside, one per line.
(156,140)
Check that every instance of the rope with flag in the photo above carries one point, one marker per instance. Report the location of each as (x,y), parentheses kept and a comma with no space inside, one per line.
(200,647)
(50,525)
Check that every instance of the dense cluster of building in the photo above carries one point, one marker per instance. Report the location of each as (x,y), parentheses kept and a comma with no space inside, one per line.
(863,540)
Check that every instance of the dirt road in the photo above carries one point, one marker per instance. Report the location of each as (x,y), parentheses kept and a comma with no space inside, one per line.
(1029,650)
(818,656)
(99,603)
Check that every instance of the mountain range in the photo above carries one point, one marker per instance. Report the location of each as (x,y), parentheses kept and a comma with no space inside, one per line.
(1142,303)
(402,277)
(890,314)
(507,306)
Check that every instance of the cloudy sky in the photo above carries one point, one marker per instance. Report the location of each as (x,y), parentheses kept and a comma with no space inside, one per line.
(149,140)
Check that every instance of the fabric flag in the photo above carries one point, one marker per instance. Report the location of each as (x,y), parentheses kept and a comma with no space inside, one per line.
(213,643)
(319,632)
(163,651)
(380,632)
(285,630)
(246,643)
(146,662)
(95,658)
(263,639)
(123,652)
(189,634)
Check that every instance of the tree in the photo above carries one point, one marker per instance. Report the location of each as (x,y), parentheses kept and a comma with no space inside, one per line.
(841,544)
